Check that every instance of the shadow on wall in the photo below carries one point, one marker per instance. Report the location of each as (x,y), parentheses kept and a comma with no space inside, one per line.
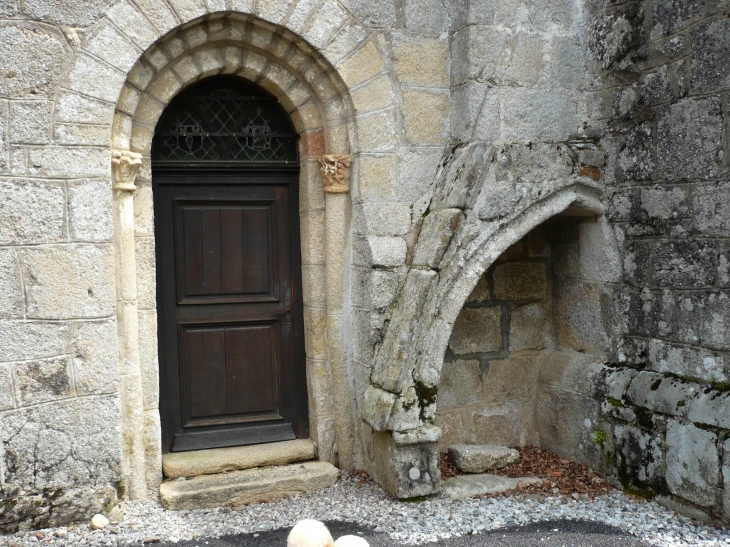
(523,364)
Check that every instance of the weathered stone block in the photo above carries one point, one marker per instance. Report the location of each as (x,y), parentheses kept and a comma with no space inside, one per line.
(510,379)
(406,415)
(422,60)
(223,460)
(329,18)
(655,312)
(702,318)
(461,383)
(43,380)
(654,87)
(690,124)
(599,258)
(693,466)
(30,122)
(683,264)
(148,359)
(617,381)
(520,281)
(144,248)
(425,116)
(381,219)
(11,288)
(32,339)
(579,313)
(374,14)
(426,16)
(636,159)
(407,470)
(685,361)
(31,212)
(436,234)
(387,251)
(502,423)
(711,203)
(460,179)
(34,56)
(710,55)
(710,407)
(95,357)
(664,203)
(639,454)
(672,15)
(393,366)
(377,407)
(90,211)
(535,163)
(661,394)
(530,327)
(377,131)
(7,389)
(377,174)
(66,465)
(65,12)
(452,428)
(478,458)
(373,95)
(477,330)
(69,281)
(543,115)
(239,488)
(71,162)
(385,287)
(362,65)
(480,293)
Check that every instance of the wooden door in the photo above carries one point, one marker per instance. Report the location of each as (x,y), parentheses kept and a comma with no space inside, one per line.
(230,314)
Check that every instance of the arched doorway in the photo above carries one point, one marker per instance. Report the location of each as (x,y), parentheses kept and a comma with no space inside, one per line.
(231,347)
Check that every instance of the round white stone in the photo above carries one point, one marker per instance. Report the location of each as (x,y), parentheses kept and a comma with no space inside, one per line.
(414,473)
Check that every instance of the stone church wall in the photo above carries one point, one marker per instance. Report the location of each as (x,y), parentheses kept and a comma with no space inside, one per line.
(470,124)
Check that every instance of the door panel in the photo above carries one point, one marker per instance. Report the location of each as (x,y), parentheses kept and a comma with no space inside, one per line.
(230,318)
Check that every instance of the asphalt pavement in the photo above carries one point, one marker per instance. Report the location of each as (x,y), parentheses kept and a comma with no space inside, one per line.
(564,533)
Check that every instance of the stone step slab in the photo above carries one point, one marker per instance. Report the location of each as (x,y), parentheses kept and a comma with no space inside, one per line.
(468,486)
(220,460)
(478,458)
(239,488)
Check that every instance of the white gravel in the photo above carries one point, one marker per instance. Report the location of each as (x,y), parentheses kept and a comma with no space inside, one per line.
(369,505)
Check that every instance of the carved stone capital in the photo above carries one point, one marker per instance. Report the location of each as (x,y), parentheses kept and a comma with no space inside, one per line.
(335,173)
(125,166)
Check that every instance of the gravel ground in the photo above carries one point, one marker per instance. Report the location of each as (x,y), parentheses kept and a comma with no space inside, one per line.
(368,505)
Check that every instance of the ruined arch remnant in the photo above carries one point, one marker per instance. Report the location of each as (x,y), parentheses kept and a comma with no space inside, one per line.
(470,222)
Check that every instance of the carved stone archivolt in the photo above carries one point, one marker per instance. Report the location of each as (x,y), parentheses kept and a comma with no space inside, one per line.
(335,171)
(125,166)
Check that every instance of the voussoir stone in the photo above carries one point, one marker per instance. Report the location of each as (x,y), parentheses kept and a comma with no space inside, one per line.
(478,458)
(220,460)
(239,488)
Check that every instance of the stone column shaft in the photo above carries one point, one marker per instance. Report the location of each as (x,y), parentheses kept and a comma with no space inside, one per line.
(335,175)
(125,165)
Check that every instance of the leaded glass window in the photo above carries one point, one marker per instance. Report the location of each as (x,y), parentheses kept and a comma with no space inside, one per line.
(228,120)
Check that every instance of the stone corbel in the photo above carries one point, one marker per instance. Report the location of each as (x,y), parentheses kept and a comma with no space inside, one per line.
(125,166)
(335,173)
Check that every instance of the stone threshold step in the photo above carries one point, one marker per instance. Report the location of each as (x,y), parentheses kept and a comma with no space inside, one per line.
(220,460)
(239,488)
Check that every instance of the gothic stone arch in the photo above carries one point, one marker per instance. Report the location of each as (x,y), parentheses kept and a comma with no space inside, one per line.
(471,221)
(129,69)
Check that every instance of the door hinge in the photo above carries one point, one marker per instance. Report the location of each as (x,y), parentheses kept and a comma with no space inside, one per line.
(288,312)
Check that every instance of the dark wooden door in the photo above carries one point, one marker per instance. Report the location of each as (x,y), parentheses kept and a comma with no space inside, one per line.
(230,310)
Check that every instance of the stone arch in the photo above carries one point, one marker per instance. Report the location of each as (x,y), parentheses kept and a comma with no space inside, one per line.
(469,224)
(310,56)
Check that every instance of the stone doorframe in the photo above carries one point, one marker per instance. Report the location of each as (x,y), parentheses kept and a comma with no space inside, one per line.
(472,219)
(309,55)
